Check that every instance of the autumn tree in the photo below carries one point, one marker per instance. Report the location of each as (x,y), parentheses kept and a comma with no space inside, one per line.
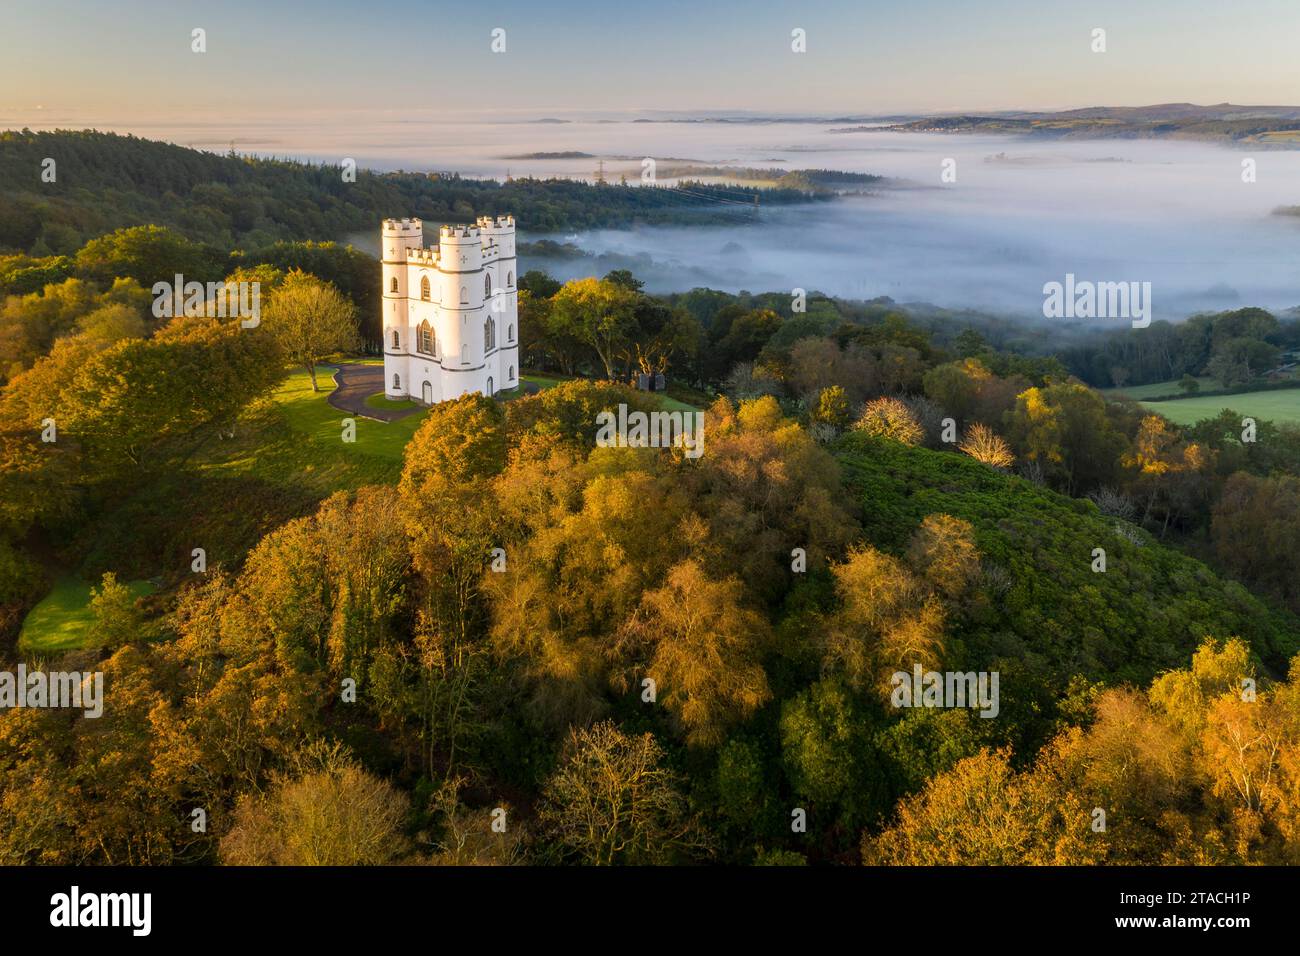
(890,418)
(987,446)
(832,407)
(569,588)
(331,814)
(705,650)
(611,800)
(982,812)
(889,619)
(943,551)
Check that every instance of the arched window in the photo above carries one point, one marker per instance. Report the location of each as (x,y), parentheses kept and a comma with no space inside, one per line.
(464,354)
(487,284)
(512,374)
(490,390)
(393,284)
(510,279)
(397,383)
(489,334)
(464,295)
(397,342)
(424,288)
(427,342)
(510,333)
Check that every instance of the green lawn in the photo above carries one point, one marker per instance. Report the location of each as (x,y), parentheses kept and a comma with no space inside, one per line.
(545,381)
(670,404)
(1281,405)
(61,620)
(381,401)
(1155,390)
(309,413)
(294,439)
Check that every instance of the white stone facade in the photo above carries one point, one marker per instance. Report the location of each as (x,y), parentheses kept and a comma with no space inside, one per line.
(451,313)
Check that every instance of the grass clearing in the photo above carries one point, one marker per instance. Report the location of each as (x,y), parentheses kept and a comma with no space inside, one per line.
(1277,406)
(1141,393)
(310,413)
(62,619)
(381,401)
(546,381)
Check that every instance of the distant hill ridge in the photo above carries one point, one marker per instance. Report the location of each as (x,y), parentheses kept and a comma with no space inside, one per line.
(106,181)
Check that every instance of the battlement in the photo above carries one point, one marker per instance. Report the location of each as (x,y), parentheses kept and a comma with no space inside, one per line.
(499,224)
(408,226)
(423,255)
(458,231)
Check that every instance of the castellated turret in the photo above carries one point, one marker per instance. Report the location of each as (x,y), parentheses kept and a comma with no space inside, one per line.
(451,316)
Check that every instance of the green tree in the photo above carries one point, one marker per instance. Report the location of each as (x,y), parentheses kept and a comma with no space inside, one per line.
(310,320)
(149,254)
(117,619)
(1064,427)
(598,312)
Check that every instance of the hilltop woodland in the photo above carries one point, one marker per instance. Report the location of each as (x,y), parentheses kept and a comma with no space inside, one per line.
(626,654)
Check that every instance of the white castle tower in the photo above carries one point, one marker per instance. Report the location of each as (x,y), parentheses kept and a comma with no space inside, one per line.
(451,314)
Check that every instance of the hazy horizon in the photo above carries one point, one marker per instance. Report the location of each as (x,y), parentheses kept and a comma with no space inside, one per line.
(861,58)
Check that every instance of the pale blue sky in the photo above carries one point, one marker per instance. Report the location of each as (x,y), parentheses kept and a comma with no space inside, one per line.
(132,58)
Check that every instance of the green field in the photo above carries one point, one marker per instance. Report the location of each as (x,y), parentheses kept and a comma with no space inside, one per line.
(1155,390)
(61,620)
(1278,406)
(545,381)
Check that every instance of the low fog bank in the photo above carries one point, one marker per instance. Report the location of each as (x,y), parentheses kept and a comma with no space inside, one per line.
(1021,213)
(913,248)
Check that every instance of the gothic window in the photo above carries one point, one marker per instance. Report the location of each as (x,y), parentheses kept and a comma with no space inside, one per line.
(424,288)
(489,335)
(510,333)
(397,342)
(512,374)
(464,354)
(427,339)
(393,284)
(397,383)
(510,280)
(487,284)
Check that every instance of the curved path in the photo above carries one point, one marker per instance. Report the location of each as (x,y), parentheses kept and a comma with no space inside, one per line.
(355,383)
